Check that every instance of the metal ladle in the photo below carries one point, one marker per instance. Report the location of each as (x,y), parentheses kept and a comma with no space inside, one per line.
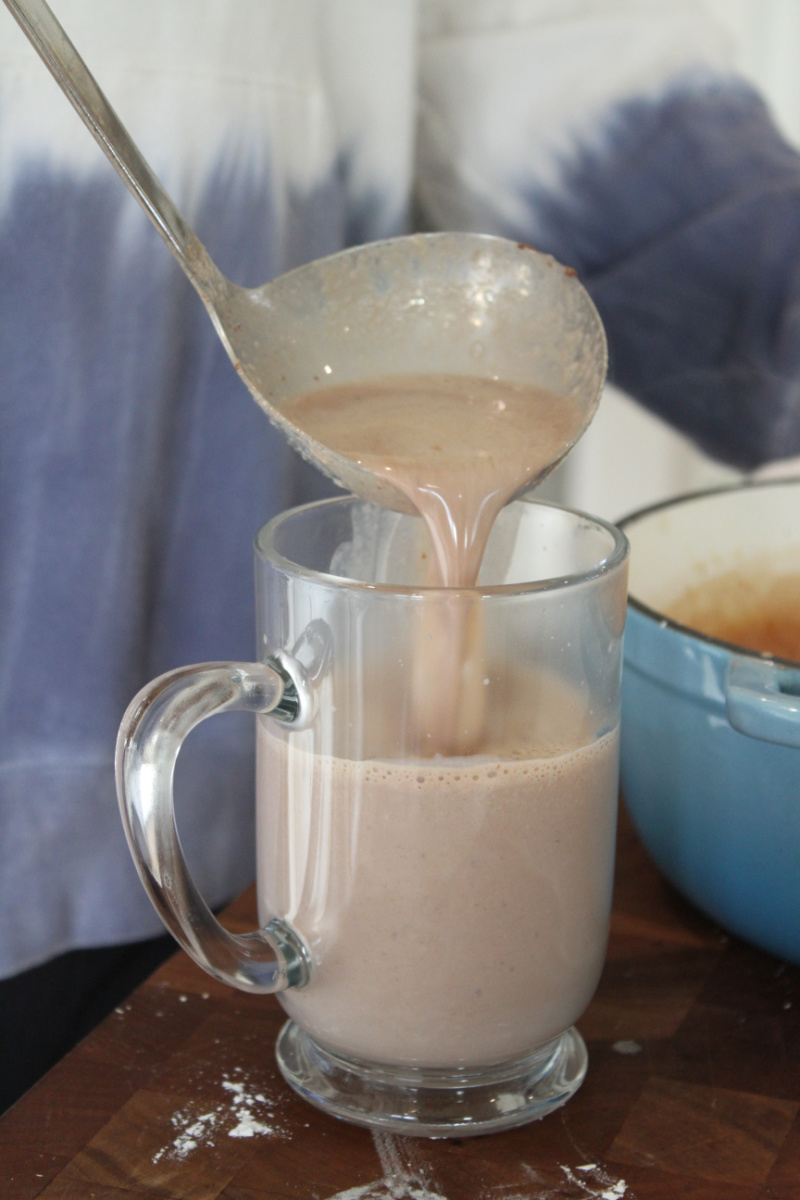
(452,303)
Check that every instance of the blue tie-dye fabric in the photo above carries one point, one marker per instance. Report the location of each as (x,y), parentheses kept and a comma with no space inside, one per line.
(684,225)
(135,470)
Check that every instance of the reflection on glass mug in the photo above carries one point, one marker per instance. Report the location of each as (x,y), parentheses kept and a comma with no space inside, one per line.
(433,923)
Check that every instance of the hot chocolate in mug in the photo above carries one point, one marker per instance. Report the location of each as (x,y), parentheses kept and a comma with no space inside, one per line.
(433,922)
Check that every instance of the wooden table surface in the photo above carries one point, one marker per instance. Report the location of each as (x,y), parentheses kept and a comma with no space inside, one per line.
(693,1090)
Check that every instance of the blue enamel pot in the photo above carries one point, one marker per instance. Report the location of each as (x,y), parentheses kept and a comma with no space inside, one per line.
(710,760)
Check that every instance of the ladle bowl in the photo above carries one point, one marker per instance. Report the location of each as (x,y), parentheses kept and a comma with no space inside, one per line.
(456,303)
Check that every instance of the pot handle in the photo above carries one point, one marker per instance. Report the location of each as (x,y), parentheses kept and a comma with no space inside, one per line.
(153,729)
(763,700)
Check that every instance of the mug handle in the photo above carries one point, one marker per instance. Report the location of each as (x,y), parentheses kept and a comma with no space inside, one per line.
(763,700)
(153,729)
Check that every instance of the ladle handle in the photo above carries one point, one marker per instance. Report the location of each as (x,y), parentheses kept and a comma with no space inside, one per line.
(153,729)
(53,46)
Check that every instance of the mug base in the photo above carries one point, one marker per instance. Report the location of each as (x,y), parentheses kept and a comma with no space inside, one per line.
(424,1102)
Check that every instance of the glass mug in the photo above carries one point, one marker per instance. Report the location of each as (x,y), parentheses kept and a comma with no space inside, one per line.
(433,925)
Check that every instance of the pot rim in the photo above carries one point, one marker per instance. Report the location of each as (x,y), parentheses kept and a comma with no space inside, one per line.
(661,618)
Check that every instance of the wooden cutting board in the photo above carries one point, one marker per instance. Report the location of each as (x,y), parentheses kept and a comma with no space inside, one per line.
(693,1090)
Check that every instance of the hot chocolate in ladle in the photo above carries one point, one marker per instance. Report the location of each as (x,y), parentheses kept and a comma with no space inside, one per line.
(454,303)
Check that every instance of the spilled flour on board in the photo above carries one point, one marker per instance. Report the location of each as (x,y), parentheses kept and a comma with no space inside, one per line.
(243,1112)
(589,1181)
(407,1177)
(596,1184)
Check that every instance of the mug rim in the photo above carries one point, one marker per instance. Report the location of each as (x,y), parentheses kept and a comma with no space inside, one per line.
(613,561)
(661,618)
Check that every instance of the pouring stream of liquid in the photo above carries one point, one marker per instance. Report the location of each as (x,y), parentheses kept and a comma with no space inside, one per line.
(458,447)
